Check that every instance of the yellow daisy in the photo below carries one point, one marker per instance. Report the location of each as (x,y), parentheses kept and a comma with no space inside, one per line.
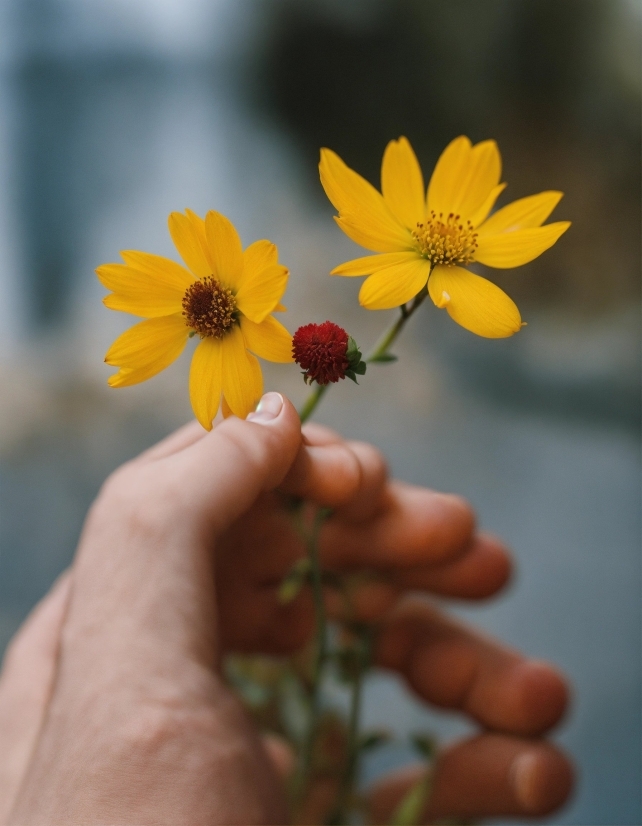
(425,238)
(226,296)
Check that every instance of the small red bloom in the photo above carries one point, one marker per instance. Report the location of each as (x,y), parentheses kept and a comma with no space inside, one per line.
(321,349)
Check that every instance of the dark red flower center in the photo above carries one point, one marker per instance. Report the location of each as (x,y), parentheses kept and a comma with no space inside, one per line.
(320,349)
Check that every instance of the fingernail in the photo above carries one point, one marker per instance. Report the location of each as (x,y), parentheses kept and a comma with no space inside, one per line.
(267,409)
(524,776)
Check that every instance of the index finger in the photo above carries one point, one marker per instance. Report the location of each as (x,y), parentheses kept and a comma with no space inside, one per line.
(411,526)
(348,476)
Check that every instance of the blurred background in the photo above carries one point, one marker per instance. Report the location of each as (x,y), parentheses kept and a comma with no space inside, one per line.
(115,112)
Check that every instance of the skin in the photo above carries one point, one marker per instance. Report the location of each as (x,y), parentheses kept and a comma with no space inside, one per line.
(112,706)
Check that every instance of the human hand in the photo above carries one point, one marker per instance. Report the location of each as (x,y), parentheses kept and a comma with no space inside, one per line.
(140,727)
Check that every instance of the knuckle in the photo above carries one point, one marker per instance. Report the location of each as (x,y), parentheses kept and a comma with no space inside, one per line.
(460,512)
(243,446)
(372,460)
(157,727)
(347,474)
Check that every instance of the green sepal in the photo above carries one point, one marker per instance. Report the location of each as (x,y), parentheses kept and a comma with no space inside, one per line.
(357,367)
(384,358)
(352,351)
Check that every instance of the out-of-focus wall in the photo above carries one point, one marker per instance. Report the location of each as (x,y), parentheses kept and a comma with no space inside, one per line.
(113,114)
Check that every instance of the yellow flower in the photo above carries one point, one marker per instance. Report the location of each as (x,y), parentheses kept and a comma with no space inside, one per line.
(226,297)
(424,238)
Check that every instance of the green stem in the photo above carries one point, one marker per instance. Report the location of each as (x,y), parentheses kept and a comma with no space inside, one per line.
(343,801)
(342,809)
(320,657)
(311,402)
(380,349)
(391,335)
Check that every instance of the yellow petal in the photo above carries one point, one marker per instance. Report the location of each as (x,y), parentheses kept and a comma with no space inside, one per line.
(395,285)
(522,214)
(269,340)
(402,183)
(242,379)
(148,291)
(189,243)
(512,249)
(354,228)
(147,348)
(143,306)
(481,213)
(258,256)
(355,198)
(225,249)
(161,269)
(372,263)
(199,225)
(464,177)
(206,380)
(448,175)
(280,308)
(474,302)
(260,292)
(484,171)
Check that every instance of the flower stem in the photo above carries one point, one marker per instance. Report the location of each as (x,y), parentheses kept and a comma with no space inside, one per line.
(391,335)
(311,402)
(341,812)
(302,779)
(380,350)
(320,655)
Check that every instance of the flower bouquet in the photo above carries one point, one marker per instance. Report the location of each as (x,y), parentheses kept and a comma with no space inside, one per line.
(226,297)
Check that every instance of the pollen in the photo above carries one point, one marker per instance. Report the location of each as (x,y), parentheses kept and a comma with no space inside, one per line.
(446,240)
(209,308)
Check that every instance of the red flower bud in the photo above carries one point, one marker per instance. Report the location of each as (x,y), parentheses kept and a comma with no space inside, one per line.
(321,349)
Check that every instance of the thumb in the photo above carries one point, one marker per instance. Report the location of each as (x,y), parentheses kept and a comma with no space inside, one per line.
(222,474)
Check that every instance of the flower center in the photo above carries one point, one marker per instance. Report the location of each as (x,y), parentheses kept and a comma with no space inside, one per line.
(449,241)
(209,308)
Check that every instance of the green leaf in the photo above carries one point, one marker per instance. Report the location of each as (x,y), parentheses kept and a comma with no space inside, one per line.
(373,740)
(350,374)
(384,358)
(360,368)
(289,590)
(411,808)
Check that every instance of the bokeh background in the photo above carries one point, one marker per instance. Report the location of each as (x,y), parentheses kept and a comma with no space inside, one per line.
(115,112)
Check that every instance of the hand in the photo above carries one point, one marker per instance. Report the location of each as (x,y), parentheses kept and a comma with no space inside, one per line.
(112,686)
